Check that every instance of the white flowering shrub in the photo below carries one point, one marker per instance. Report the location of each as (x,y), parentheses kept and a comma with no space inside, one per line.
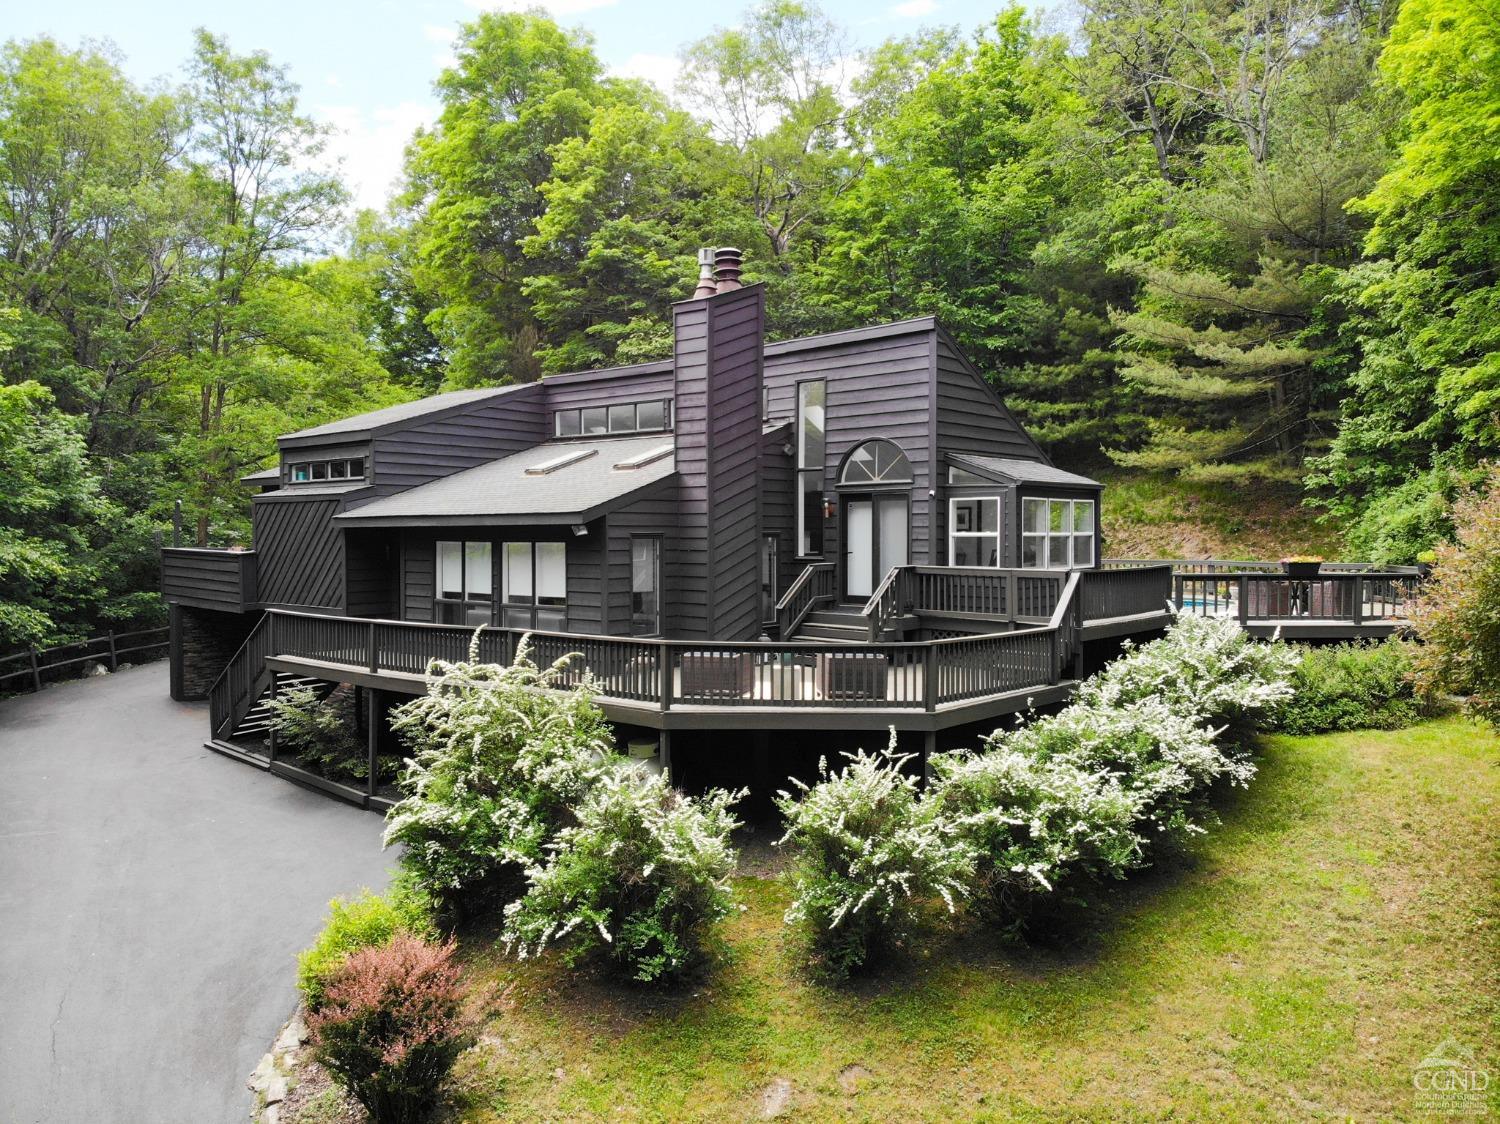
(637,883)
(497,767)
(868,854)
(1164,759)
(1208,667)
(1035,826)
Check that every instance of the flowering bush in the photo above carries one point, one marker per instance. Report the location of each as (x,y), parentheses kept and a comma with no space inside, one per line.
(637,883)
(1207,667)
(1457,613)
(1351,687)
(392,1026)
(497,768)
(1163,758)
(1034,825)
(868,852)
(362,922)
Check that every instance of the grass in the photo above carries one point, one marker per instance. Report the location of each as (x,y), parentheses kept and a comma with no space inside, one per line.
(1153,516)
(1296,963)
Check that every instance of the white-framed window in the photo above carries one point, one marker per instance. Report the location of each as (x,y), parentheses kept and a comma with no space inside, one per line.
(1057,534)
(974,531)
(645,585)
(465,583)
(534,585)
(625,417)
(811,437)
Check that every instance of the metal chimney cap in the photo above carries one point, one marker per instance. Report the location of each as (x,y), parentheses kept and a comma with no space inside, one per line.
(706,286)
(727,269)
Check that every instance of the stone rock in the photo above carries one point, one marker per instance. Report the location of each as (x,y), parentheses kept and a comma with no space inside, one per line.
(775,1098)
(272,1115)
(92,670)
(275,1090)
(292,1035)
(260,1078)
(851,1077)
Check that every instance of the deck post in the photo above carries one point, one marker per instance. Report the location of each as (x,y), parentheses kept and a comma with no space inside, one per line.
(929,748)
(372,735)
(374,656)
(1010,594)
(114,657)
(271,742)
(664,751)
(929,678)
(1358,608)
(664,686)
(1244,599)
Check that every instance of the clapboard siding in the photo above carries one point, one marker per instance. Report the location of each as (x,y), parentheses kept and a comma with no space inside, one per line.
(653,513)
(718,361)
(625,384)
(372,572)
(876,387)
(418,575)
(429,450)
(300,553)
(210,579)
(971,417)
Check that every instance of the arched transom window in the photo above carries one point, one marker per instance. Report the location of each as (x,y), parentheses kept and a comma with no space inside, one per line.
(876,462)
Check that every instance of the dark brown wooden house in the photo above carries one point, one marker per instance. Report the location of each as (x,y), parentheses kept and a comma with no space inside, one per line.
(844,533)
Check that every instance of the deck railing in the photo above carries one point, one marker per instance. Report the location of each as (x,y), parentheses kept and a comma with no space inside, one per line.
(1126,592)
(241,682)
(815,585)
(1355,598)
(1249,565)
(668,675)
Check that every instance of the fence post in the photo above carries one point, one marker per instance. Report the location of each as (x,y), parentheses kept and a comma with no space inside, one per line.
(1244,599)
(36,671)
(114,658)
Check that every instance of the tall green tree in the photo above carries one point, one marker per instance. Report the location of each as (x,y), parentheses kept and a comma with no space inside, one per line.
(1424,329)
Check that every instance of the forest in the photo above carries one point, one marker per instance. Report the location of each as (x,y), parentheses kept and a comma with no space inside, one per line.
(1231,242)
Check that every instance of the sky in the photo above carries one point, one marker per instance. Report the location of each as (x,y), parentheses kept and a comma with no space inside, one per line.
(368,68)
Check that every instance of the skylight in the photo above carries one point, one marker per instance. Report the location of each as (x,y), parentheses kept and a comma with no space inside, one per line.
(650,456)
(572,457)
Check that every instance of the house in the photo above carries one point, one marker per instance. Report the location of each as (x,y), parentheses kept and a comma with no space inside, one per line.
(844,532)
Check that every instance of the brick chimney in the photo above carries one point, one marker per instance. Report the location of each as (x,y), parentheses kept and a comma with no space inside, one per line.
(716,354)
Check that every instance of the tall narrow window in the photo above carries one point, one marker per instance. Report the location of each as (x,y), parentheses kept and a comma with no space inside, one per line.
(811,447)
(1057,534)
(465,583)
(645,585)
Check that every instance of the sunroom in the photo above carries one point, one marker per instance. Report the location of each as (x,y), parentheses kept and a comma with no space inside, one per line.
(1002,513)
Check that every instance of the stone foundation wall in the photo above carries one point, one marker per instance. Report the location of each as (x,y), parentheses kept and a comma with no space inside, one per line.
(203,642)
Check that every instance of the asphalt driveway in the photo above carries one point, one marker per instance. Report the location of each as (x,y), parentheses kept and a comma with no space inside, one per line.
(152,897)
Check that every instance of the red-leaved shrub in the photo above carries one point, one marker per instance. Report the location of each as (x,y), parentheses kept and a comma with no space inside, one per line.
(391,1026)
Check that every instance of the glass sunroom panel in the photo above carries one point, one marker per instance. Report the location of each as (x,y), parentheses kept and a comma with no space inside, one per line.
(1083,515)
(551,573)
(1057,552)
(450,570)
(1083,550)
(976,550)
(479,570)
(1035,516)
(1057,515)
(1031,551)
(515,574)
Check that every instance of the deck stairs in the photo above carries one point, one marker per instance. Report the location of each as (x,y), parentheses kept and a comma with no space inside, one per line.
(844,623)
(257,720)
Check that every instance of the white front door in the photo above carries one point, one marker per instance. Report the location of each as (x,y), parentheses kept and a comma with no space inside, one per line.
(876,538)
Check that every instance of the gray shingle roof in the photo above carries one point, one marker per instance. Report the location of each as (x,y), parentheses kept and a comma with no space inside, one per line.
(264,476)
(403,412)
(502,491)
(1024,472)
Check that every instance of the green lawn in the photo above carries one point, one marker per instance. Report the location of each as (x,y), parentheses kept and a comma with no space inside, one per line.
(1297,963)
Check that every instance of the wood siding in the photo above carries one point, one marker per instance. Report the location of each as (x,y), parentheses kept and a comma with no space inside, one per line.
(300,552)
(372,573)
(210,579)
(877,387)
(718,344)
(429,450)
(636,384)
(654,513)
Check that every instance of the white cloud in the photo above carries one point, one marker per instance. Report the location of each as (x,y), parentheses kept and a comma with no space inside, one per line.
(553,7)
(914,9)
(660,70)
(444,37)
(369,145)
